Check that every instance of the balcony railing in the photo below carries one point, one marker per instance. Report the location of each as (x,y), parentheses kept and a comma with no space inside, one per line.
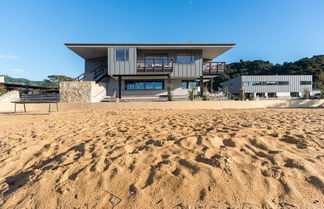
(154,64)
(214,68)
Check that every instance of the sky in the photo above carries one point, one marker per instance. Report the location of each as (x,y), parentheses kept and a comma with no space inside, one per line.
(33,32)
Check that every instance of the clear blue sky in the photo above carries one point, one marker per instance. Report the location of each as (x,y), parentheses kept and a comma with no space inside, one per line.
(33,32)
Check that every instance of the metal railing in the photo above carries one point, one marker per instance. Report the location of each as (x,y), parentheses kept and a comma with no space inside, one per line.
(92,75)
(214,68)
(154,64)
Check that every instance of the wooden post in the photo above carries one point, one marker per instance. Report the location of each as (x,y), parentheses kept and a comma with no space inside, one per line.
(119,86)
(201,86)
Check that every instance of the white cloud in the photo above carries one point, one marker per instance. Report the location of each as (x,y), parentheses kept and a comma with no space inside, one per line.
(4,56)
(16,70)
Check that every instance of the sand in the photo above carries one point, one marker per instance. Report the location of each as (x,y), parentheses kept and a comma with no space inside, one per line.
(98,158)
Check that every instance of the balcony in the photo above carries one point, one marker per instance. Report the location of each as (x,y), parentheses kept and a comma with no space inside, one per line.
(214,68)
(154,65)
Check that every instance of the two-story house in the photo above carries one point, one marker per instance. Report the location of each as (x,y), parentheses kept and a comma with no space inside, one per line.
(146,69)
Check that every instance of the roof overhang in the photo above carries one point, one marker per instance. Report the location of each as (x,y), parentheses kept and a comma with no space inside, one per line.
(88,50)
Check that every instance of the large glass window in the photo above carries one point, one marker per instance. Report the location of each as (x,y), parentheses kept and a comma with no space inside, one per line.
(144,85)
(283,83)
(265,83)
(122,54)
(305,83)
(186,58)
(188,84)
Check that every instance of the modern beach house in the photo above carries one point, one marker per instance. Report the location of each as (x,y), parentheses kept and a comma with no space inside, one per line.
(270,86)
(133,70)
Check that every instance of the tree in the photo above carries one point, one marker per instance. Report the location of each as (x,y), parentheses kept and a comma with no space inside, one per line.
(53,80)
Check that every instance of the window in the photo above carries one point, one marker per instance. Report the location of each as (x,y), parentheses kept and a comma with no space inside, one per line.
(188,58)
(188,84)
(272,94)
(265,83)
(305,83)
(144,85)
(260,95)
(122,54)
(294,94)
(283,83)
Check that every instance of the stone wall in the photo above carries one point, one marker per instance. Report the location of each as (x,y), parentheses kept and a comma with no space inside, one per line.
(81,92)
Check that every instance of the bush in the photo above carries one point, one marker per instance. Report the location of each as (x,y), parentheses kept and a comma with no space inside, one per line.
(306,94)
(192,94)
(2,90)
(206,96)
(241,95)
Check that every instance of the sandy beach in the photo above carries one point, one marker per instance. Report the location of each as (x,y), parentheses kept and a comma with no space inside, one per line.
(99,158)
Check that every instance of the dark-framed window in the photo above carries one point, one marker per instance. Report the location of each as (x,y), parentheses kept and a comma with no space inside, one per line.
(294,94)
(283,83)
(186,58)
(122,54)
(186,84)
(144,85)
(305,83)
(265,83)
(272,94)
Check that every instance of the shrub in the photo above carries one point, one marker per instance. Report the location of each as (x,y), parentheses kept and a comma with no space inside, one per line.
(306,94)
(206,96)
(241,95)
(192,94)
(2,90)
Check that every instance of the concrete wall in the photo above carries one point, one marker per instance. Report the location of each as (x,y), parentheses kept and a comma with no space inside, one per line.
(91,64)
(2,78)
(181,105)
(82,92)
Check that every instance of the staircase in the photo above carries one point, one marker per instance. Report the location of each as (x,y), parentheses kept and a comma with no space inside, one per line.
(97,74)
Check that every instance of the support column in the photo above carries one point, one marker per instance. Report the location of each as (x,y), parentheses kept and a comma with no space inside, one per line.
(119,86)
(211,84)
(201,86)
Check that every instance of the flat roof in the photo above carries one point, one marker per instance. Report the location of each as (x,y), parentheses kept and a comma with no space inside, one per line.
(92,50)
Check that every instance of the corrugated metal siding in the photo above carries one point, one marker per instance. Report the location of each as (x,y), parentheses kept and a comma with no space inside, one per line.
(294,83)
(180,70)
(121,67)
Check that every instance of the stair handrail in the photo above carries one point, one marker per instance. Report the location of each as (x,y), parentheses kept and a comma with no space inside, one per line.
(99,69)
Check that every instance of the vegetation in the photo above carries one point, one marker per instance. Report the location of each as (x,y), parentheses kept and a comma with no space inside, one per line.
(206,96)
(241,95)
(306,94)
(2,90)
(9,79)
(53,80)
(306,66)
(192,94)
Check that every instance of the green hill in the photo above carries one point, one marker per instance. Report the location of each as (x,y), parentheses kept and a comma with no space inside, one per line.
(9,79)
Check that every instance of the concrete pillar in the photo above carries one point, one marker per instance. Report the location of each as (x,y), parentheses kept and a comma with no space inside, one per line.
(119,86)
(201,86)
